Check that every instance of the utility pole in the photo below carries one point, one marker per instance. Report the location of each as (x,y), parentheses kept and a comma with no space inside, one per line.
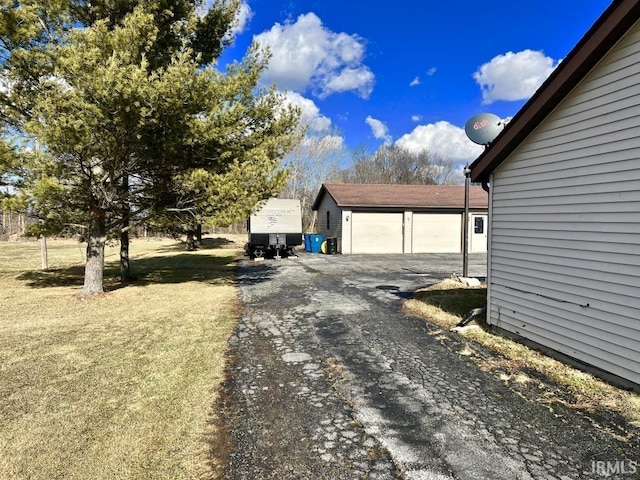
(465,251)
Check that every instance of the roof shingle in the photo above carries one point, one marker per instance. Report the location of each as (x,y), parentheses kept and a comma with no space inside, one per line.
(402,196)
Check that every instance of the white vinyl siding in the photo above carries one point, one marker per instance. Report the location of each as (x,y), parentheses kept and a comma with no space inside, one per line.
(373,232)
(437,233)
(565,223)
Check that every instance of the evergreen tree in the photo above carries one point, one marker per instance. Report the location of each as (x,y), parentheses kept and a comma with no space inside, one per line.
(133,119)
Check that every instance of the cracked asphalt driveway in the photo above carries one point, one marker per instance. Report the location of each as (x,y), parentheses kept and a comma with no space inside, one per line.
(330,380)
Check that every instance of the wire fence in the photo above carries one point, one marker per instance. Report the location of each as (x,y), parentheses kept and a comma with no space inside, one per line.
(13,226)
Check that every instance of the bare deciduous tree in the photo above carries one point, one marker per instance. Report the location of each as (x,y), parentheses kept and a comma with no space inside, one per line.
(314,161)
(393,164)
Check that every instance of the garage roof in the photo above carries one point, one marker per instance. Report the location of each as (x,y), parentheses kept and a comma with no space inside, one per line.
(402,196)
(603,35)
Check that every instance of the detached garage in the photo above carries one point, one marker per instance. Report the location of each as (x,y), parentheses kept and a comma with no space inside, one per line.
(401,218)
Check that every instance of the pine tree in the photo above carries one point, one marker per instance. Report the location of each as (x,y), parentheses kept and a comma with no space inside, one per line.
(133,119)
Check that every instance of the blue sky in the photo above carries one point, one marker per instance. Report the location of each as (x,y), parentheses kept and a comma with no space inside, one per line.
(410,72)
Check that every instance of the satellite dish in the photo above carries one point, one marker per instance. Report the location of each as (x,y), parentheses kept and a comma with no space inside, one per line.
(483,128)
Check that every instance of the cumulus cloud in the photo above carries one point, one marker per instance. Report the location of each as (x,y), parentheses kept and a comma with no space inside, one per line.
(379,130)
(305,55)
(310,113)
(325,143)
(442,138)
(245,14)
(513,76)
(416,118)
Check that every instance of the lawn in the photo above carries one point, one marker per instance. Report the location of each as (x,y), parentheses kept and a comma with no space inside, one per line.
(119,385)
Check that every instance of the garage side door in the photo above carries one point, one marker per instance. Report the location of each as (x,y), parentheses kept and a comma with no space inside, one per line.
(437,233)
(478,233)
(376,232)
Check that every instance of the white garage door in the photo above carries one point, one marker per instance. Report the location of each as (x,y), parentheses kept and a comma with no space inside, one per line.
(437,233)
(376,232)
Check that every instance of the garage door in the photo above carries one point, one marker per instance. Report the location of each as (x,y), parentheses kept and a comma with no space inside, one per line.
(376,232)
(437,233)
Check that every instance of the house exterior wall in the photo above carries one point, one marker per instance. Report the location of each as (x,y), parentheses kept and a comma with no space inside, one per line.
(408,232)
(334,228)
(564,266)
(344,240)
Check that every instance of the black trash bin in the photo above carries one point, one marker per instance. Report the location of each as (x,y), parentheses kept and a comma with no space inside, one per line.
(332,245)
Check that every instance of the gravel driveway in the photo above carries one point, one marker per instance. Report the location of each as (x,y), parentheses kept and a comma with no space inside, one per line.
(330,380)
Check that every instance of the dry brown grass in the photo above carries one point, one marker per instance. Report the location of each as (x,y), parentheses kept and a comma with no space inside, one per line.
(121,385)
(446,303)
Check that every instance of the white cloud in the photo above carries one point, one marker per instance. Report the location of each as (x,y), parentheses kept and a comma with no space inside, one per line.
(357,79)
(307,56)
(432,71)
(245,14)
(441,138)
(513,76)
(416,118)
(326,143)
(310,113)
(379,130)
(415,82)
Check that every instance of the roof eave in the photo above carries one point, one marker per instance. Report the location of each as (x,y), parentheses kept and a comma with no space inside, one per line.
(600,38)
(318,200)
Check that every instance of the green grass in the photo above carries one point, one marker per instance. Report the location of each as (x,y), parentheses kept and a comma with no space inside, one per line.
(118,385)
(446,303)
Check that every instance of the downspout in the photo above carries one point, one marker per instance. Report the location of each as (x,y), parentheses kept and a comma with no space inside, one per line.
(471,315)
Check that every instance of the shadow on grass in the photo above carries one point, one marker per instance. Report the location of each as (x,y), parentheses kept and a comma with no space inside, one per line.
(218,243)
(161,269)
(457,301)
(54,277)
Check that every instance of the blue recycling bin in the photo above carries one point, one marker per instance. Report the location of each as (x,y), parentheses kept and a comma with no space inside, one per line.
(316,242)
(307,242)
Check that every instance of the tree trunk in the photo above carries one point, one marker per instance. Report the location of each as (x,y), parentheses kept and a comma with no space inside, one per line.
(191,241)
(125,265)
(94,268)
(198,235)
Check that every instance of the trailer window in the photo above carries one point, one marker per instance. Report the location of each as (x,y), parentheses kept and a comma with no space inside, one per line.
(328,220)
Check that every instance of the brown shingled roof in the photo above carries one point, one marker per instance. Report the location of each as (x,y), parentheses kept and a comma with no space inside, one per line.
(402,196)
